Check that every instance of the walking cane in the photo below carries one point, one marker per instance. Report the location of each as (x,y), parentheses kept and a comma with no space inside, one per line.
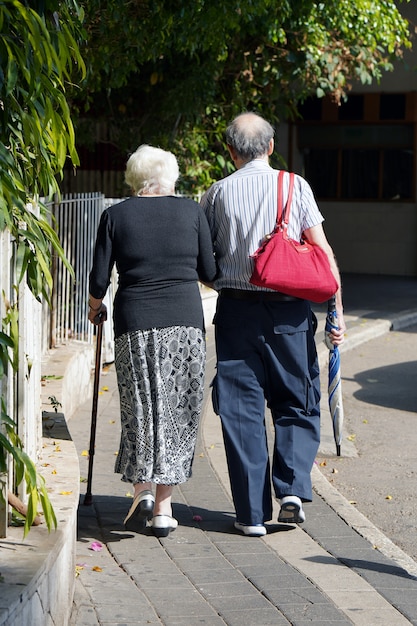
(88,498)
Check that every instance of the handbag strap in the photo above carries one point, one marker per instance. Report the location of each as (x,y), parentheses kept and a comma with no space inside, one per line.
(283,217)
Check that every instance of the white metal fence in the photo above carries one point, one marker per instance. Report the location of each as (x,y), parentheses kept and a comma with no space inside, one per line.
(76,218)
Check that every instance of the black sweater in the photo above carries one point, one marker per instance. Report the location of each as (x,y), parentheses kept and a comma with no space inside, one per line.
(161,247)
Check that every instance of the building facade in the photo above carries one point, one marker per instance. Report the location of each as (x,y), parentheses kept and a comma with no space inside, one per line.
(360,159)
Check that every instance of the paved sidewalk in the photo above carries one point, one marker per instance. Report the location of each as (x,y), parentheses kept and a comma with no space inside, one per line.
(323,572)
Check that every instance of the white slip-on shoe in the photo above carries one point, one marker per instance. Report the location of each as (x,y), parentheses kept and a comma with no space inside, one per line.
(140,511)
(291,511)
(162,525)
(257,530)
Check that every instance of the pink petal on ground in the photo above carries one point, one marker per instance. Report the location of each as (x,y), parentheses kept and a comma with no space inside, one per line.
(96,546)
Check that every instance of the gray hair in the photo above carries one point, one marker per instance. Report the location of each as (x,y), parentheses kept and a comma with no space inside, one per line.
(151,170)
(249,135)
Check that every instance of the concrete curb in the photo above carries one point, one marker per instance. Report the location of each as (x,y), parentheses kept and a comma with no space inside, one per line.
(38,572)
(360,523)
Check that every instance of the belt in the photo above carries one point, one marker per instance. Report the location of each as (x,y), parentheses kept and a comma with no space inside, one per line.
(260,296)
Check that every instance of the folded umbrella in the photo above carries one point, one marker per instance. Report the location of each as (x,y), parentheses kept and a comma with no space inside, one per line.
(334,384)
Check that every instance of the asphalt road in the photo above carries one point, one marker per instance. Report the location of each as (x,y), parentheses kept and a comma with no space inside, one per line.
(379,381)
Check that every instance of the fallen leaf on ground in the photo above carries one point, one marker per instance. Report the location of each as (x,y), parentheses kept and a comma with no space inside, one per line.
(65,493)
(96,568)
(84,453)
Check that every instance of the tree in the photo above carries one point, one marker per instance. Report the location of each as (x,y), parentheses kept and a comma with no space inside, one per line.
(39,55)
(173,73)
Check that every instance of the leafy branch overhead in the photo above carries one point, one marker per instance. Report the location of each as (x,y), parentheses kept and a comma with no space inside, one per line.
(39,57)
(174,73)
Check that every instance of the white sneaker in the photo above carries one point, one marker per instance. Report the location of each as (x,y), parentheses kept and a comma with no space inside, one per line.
(257,530)
(291,510)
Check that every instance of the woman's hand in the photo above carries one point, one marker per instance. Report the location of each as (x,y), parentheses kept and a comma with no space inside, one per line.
(97,312)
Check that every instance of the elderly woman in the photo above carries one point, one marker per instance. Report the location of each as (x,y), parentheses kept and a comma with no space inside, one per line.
(161,246)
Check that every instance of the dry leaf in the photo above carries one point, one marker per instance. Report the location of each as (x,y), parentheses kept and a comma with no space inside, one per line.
(388,497)
(323,464)
(54,472)
(65,493)
(96,568)
(84,453)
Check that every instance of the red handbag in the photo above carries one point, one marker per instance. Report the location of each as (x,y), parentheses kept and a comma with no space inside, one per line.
(298,269)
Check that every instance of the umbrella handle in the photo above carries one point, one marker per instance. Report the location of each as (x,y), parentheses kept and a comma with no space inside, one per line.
(88,498)
(331,304)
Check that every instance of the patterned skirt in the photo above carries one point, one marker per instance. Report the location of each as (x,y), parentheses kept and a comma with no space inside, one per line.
(160,376)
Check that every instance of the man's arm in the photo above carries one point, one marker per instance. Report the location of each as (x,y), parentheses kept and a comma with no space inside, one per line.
(317,236)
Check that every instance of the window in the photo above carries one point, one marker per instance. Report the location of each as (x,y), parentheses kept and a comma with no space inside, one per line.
(365,151)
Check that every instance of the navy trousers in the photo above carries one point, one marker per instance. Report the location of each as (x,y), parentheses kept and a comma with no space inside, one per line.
(266,352)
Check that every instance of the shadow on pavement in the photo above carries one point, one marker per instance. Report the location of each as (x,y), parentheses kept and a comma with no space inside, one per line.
(391,386)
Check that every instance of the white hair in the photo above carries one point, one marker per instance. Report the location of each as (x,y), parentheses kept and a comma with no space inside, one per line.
(152,170)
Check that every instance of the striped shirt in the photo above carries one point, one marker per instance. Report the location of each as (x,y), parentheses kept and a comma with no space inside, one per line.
(242,209)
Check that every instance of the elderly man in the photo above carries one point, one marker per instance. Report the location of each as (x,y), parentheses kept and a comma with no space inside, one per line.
(264,340)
